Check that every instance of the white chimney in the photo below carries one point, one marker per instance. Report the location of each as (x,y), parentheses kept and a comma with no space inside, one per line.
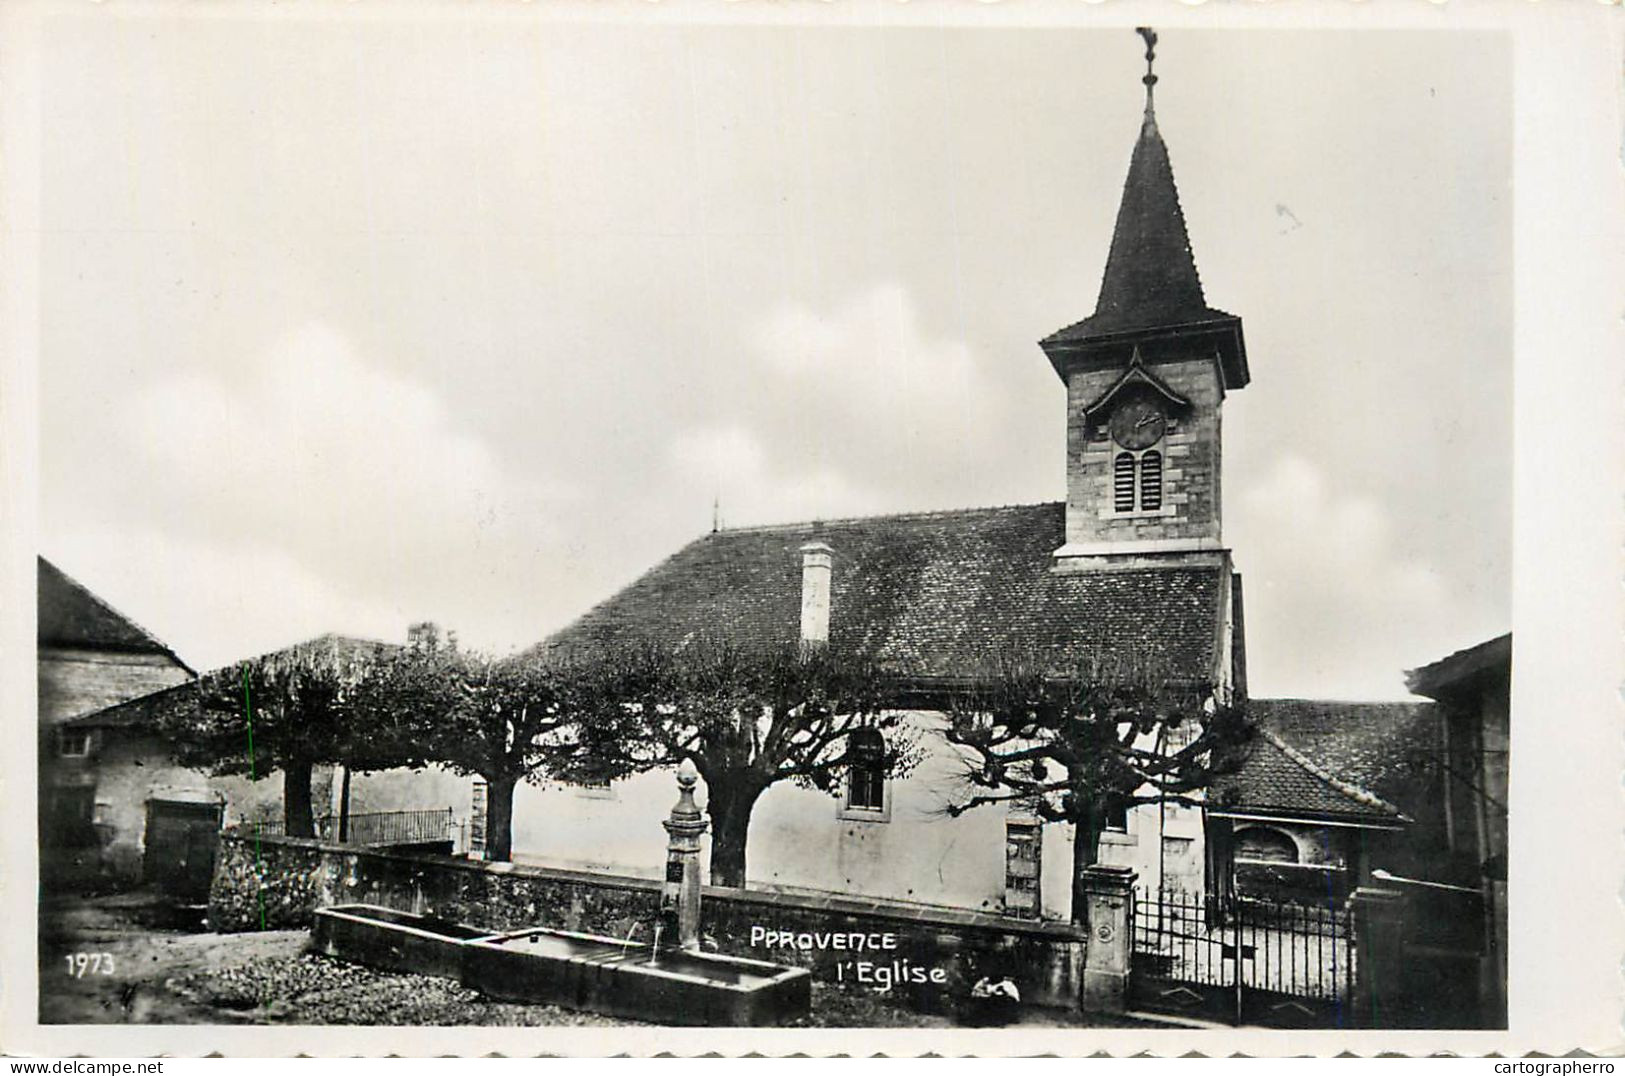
(816,558)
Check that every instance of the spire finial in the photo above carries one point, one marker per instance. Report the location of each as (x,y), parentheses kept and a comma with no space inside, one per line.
(1150,78)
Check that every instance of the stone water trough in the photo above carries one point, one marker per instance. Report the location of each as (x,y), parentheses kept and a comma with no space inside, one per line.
(577,971)
(673,983)
(642,982)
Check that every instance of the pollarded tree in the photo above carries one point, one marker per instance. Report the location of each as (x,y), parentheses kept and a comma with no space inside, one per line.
(285,711)
(1077,748)
(505,720)
(751,717)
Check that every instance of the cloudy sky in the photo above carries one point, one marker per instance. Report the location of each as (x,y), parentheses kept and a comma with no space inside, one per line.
(352,323)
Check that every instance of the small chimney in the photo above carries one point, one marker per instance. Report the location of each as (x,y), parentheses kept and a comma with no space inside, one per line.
(816,558)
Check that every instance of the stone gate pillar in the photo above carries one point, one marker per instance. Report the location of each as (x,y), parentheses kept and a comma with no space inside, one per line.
(1109,892)
(1379,945)
(681,892)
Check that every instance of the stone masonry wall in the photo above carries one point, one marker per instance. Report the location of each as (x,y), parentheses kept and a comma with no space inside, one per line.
(75,682)
(279,883)
(1191,459)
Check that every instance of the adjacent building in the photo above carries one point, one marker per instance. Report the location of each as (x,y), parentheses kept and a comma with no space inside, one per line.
(90,656)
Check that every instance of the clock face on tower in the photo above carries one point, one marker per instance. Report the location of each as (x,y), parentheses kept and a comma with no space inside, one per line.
(1138,423)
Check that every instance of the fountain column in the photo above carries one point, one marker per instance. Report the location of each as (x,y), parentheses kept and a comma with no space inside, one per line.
(681,893)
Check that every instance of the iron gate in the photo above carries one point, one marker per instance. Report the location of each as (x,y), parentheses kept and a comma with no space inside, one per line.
(1242,960)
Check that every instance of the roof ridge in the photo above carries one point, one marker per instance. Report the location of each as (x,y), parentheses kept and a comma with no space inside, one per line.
(928,513)
(1339,702)
(1352,791)
(108,606)
(314,640)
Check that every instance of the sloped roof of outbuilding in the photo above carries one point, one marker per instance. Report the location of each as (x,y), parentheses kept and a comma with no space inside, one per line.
(933,594)
(1464,669)
(1352,761)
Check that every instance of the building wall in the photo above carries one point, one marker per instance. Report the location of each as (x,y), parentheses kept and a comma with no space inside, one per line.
(800,839)
(74,682)
(1191,461)
(803,841)
(126,771)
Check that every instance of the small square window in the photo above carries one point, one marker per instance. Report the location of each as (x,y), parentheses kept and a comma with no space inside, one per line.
(868,789)
(75,742)
(1117,818)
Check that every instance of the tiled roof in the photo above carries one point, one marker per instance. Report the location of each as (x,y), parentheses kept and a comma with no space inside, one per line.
(1150,279)
(1464,669)
(70,615)
(145,709)
(935,594)
(1350,760)
(141,711)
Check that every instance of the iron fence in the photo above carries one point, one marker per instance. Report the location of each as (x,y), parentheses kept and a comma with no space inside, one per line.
(368,828)
(1285,947)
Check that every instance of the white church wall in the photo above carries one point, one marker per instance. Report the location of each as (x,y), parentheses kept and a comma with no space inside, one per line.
(804,840)
(798,839)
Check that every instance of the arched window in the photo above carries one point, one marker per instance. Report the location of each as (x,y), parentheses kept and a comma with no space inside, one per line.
(866,780)
(1123,482)
(1151,481)
(1264,843)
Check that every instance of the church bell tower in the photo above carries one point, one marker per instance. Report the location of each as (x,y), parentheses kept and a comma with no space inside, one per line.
(1146,376)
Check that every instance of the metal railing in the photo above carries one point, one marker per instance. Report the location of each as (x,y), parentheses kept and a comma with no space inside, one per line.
(1283,946)
(369,828)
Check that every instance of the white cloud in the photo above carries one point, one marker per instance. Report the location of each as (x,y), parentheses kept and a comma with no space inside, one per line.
(1334,610)
(733,463)
(307,463)
(213,604)
(310,438)
(872,350)
(846,411)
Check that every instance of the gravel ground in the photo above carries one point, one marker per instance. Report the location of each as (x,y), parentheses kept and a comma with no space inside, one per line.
(308,988)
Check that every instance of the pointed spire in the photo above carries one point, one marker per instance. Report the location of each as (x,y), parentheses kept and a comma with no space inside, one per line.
(1150,282)
(1150,274)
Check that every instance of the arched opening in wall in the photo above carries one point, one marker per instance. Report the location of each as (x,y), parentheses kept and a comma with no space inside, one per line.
(1123,482)
(1151,482)
(1263,844)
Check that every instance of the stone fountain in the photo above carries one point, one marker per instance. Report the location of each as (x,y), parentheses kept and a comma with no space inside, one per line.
(657,981)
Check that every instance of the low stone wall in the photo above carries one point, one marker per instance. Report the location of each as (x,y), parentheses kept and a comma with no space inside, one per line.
(927,956)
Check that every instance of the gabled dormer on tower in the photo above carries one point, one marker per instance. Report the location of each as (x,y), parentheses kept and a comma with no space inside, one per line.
(1146,375)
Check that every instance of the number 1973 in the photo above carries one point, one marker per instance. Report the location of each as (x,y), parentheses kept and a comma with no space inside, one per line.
(82,964)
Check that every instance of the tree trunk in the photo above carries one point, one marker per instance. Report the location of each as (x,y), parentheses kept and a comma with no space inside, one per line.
(499,819)
(729,805)
(298,816)
(1085,853)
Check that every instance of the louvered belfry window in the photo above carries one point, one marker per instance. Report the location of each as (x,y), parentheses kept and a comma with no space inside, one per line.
(1151,482)
(1123,482)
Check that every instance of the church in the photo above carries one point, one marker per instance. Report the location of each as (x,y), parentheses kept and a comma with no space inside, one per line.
(1132,564)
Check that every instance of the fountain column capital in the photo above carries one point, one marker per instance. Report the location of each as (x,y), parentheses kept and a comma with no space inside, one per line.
(686,821)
